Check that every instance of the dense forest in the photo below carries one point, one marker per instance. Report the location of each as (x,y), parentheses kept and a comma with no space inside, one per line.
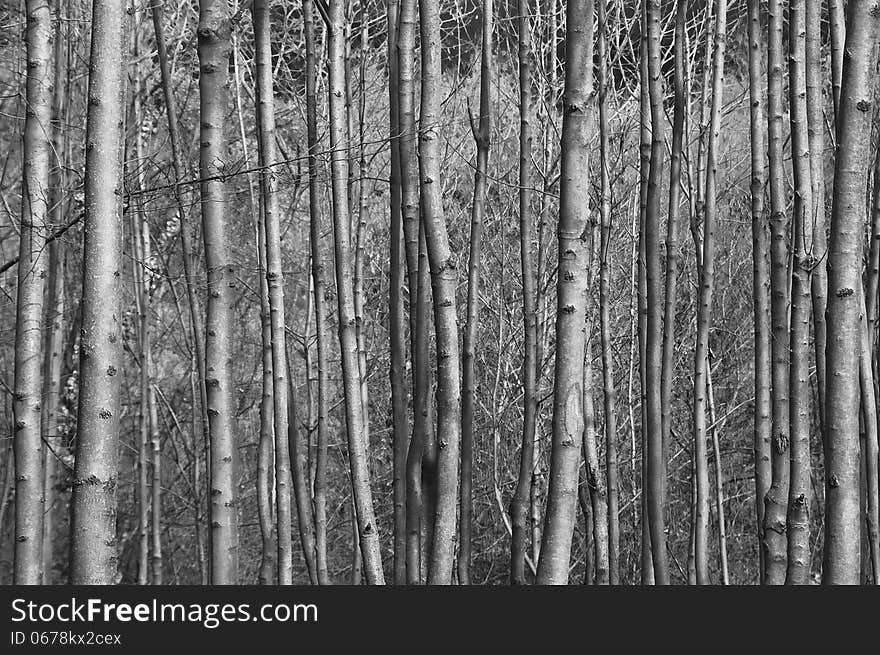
(439,292)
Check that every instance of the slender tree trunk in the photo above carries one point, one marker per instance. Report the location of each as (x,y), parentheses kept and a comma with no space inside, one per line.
(869,419)
(298,449)
(655,484)
(647,562)
(704,310)
(396,315)
(355,419)
(798,519)
(776,500)
(760,272)
(265,112)
(416,282)
(594,481)
(156,484)
(609,394)
(319,281)
(28,381)
(444,279)
(93,528)
(520,503)
(815,84)
(53,353)
(481,128)
(841,559)
(568,419)
(213,50)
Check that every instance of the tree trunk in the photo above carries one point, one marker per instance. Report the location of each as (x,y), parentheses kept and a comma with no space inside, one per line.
(396,315)
(776,500)
(482,136)
(655,484)
(760,273)
(568,419)
(28,381)
(213,50)
(520,503)
(93,528)
(357,445)
(319,281)
(841,560)
(444,279)
(798,519)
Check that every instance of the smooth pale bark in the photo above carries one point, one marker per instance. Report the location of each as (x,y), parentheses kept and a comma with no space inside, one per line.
(396,314)
(28,382)
(319,286)
(53,345)
(355,420)
(776,501)
(299,464)
(520,503)
(444,280)
(568,419)
(837,36)
(842,509)
(265,112)
(816,126)
(647,563)
(870,454)
(760,271)
(93,520)
(655,484)
(704,309)
(800,410)
(609,394)
(213,51)
(481,128)
(598,524)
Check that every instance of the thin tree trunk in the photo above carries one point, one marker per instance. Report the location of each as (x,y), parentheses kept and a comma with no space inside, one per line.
(265,112)
(760,273)
(213,51)
(609,394)
(568,419)
(776,500)
(444,278)
(815,84)
(798,519)
(719,480)
(396,315)
(156,482)
(53,354)
(520,503)
(355,419)
(655,484)
(482,136)
(841,558)
(319,281)
(28,382)
(594,480)
(93,528)
(704,310)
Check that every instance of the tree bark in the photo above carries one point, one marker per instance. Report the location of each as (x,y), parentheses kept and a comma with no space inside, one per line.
(28,382)
(760,273)
(842,543)
(355,420)
(568,419)
(93,528)
(776,500)
(213,51)
(520,503)
(444,278)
